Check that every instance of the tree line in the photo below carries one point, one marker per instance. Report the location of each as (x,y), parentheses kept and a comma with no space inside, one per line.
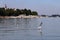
(53,15)
(17,12)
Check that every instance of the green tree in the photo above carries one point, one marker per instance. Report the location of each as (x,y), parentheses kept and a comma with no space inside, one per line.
(17,12)
(29,12)
(34,13)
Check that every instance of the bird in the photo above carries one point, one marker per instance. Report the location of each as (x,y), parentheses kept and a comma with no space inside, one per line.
(40,26)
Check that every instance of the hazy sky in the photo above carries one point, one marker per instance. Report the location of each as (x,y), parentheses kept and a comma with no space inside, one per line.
(41,6)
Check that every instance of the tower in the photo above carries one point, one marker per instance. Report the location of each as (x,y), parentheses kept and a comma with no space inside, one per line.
(5,6)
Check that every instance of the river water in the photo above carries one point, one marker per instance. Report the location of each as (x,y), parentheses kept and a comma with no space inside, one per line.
(27,29)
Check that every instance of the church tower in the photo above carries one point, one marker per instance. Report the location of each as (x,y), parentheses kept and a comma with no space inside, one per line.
(5,6)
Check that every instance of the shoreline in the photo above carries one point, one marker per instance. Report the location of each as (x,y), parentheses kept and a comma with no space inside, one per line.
(21,16)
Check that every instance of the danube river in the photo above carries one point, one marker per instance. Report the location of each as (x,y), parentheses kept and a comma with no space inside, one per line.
(28,29)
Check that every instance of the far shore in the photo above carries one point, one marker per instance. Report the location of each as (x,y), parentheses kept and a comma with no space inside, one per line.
(21,16)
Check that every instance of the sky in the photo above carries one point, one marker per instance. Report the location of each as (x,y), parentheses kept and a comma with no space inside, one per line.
(47,7)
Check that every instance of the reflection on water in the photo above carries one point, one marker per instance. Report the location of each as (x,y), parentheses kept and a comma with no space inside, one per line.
(27,29)
(19,29)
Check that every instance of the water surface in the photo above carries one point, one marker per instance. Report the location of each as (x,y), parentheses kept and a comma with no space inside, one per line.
(27,29)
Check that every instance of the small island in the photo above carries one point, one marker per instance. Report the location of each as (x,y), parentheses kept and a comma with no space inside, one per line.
(17,13)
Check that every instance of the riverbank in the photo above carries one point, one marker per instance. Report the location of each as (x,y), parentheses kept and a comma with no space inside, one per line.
(21,16)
